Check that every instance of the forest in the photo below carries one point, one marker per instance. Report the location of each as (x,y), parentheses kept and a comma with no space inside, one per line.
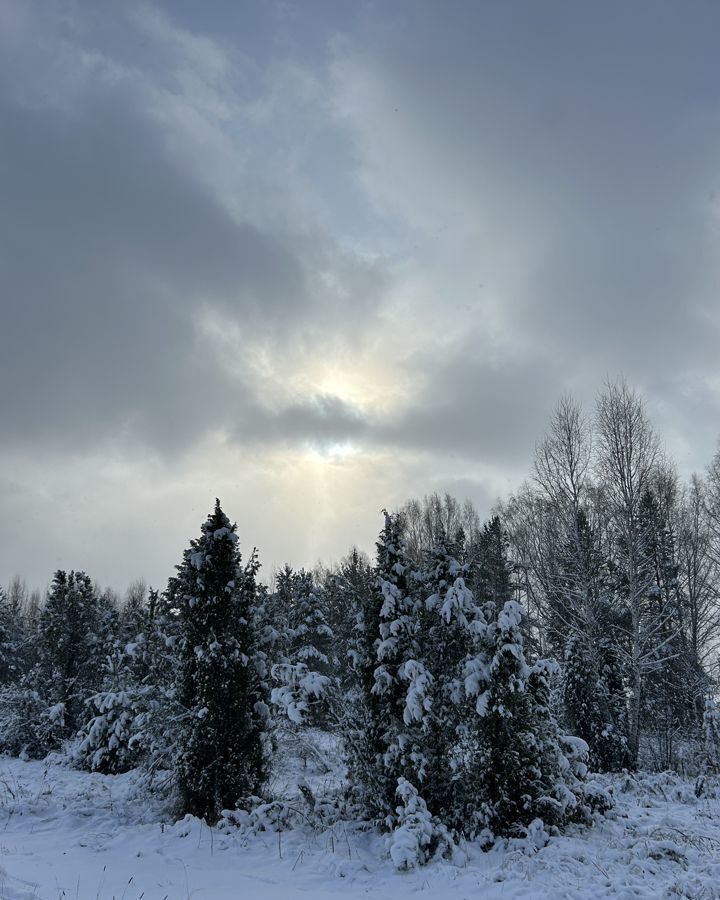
(477,676)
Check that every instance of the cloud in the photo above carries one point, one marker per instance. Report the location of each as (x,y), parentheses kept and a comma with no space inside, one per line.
(475,412)
(325,261)
(113,251)
(556,173)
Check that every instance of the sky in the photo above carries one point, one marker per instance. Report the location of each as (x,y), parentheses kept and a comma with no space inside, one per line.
(315,258)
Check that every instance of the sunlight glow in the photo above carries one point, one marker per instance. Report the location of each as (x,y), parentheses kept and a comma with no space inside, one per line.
(331,452)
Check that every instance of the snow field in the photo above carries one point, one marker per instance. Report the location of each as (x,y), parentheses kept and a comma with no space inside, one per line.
(68,834)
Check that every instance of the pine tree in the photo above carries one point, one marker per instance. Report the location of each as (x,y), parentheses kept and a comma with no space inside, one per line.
(221,757)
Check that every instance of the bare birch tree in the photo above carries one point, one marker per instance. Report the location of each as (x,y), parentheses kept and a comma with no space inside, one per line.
(628,451)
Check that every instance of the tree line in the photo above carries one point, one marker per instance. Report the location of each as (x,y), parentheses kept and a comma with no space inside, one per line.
(618,563)
(471,671)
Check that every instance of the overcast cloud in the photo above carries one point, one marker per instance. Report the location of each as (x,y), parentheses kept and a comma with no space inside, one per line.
(316,258)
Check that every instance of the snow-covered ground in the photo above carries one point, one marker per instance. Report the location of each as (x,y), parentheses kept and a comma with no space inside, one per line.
(68,834)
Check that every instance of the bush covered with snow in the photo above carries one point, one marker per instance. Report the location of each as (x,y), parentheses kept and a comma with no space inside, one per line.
(30,726)
(116,736)
(417,835)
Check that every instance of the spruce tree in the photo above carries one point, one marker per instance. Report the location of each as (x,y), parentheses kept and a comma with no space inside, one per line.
(710,757)
(525,767)
(401,682)
(67,671)
(156,663)
(346,591)
(593,702)
(221,758)
(489,572)
(302,666)
(135,614)
(10,636)
(585,629)
(438,712)
(115,737)
(122,718)
(375,720)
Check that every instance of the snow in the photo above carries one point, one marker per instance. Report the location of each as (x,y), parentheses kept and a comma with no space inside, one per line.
(417,702)
(392,597)
(197,559)
(70,834)
(458,601)
(56,713)
(409,842)
(510,616)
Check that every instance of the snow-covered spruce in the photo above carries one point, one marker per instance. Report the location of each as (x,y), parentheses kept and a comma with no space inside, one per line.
(436,703)
(11,639)
(63,657)
(114,739)
(222,749)
(117,735)
(525,768)
(711,733)
(416,835)
(593,703)
(373,705)
(301,648)
(462,716)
